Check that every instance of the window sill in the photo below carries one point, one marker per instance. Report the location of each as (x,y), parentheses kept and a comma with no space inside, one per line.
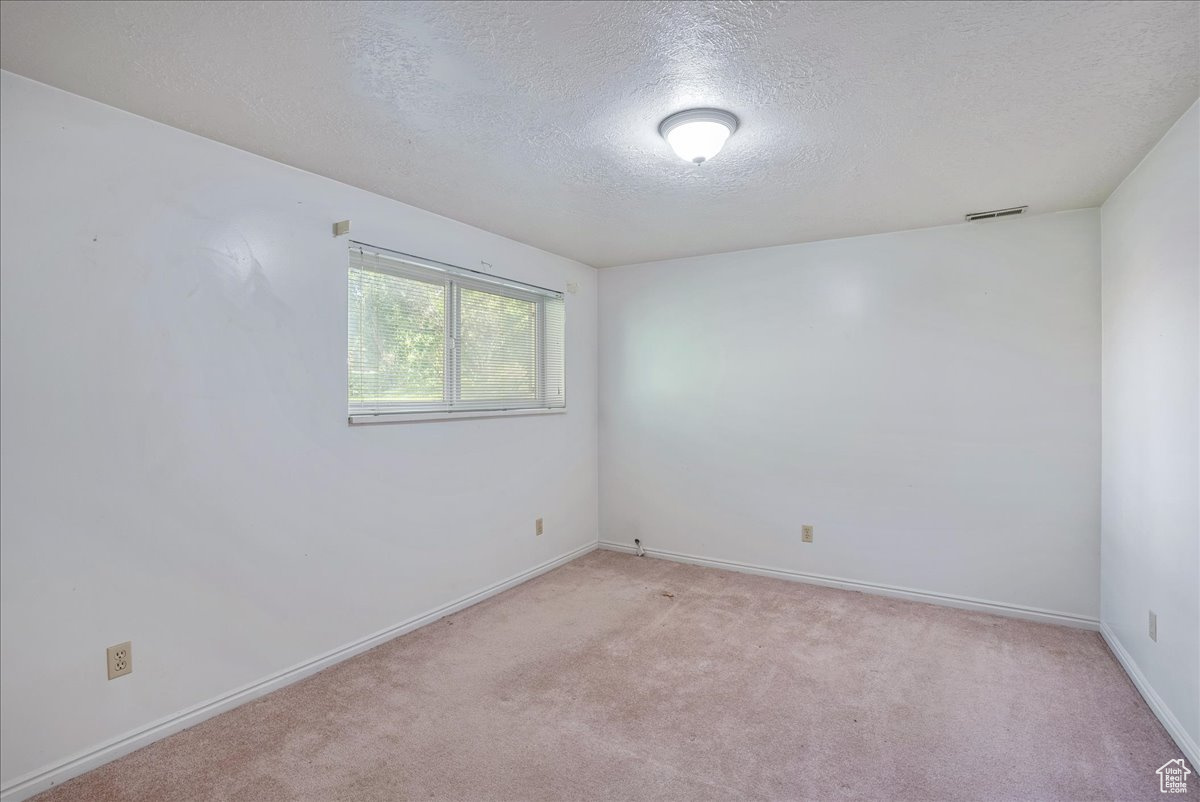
(414,417)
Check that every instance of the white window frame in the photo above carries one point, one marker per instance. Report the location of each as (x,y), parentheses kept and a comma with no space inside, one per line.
(454,279)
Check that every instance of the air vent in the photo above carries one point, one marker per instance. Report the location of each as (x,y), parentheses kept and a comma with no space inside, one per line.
(996,213)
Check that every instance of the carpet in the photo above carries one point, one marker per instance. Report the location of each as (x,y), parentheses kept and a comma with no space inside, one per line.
(623,678)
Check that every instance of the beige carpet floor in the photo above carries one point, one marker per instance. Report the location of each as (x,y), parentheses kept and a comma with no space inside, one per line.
(622,678)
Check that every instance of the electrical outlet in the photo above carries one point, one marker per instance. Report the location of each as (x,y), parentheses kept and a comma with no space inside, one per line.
(120,660)
(537,525)
(806,533)
(1153,627)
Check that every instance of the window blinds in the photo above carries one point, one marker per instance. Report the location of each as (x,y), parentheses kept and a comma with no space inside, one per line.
(429,337)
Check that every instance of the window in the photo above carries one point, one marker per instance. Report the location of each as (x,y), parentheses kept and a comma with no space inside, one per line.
(425,337)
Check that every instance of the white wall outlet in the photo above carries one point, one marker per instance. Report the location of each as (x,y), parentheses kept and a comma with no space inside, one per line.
(120,660)
(537,526)
(806,533)
(1153,627)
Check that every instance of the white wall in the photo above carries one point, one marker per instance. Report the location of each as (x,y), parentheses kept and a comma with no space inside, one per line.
(928,400)
(177,467)
(1150,541)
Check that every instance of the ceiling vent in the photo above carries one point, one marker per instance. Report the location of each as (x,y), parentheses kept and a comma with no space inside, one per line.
(996,213)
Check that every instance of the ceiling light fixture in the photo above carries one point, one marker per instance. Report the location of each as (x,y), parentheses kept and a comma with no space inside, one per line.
(698,134)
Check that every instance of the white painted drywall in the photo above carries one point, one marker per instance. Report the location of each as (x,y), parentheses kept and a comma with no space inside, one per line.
(176,462)
(1150,540)
(928,400)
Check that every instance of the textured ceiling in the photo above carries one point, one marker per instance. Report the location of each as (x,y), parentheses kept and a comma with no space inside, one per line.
(538,120)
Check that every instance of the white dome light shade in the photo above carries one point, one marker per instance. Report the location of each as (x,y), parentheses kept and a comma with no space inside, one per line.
(698,134)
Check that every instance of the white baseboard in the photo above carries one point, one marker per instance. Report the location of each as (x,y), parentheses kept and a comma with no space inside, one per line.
(929,597)
(38,781)
(1155,702)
